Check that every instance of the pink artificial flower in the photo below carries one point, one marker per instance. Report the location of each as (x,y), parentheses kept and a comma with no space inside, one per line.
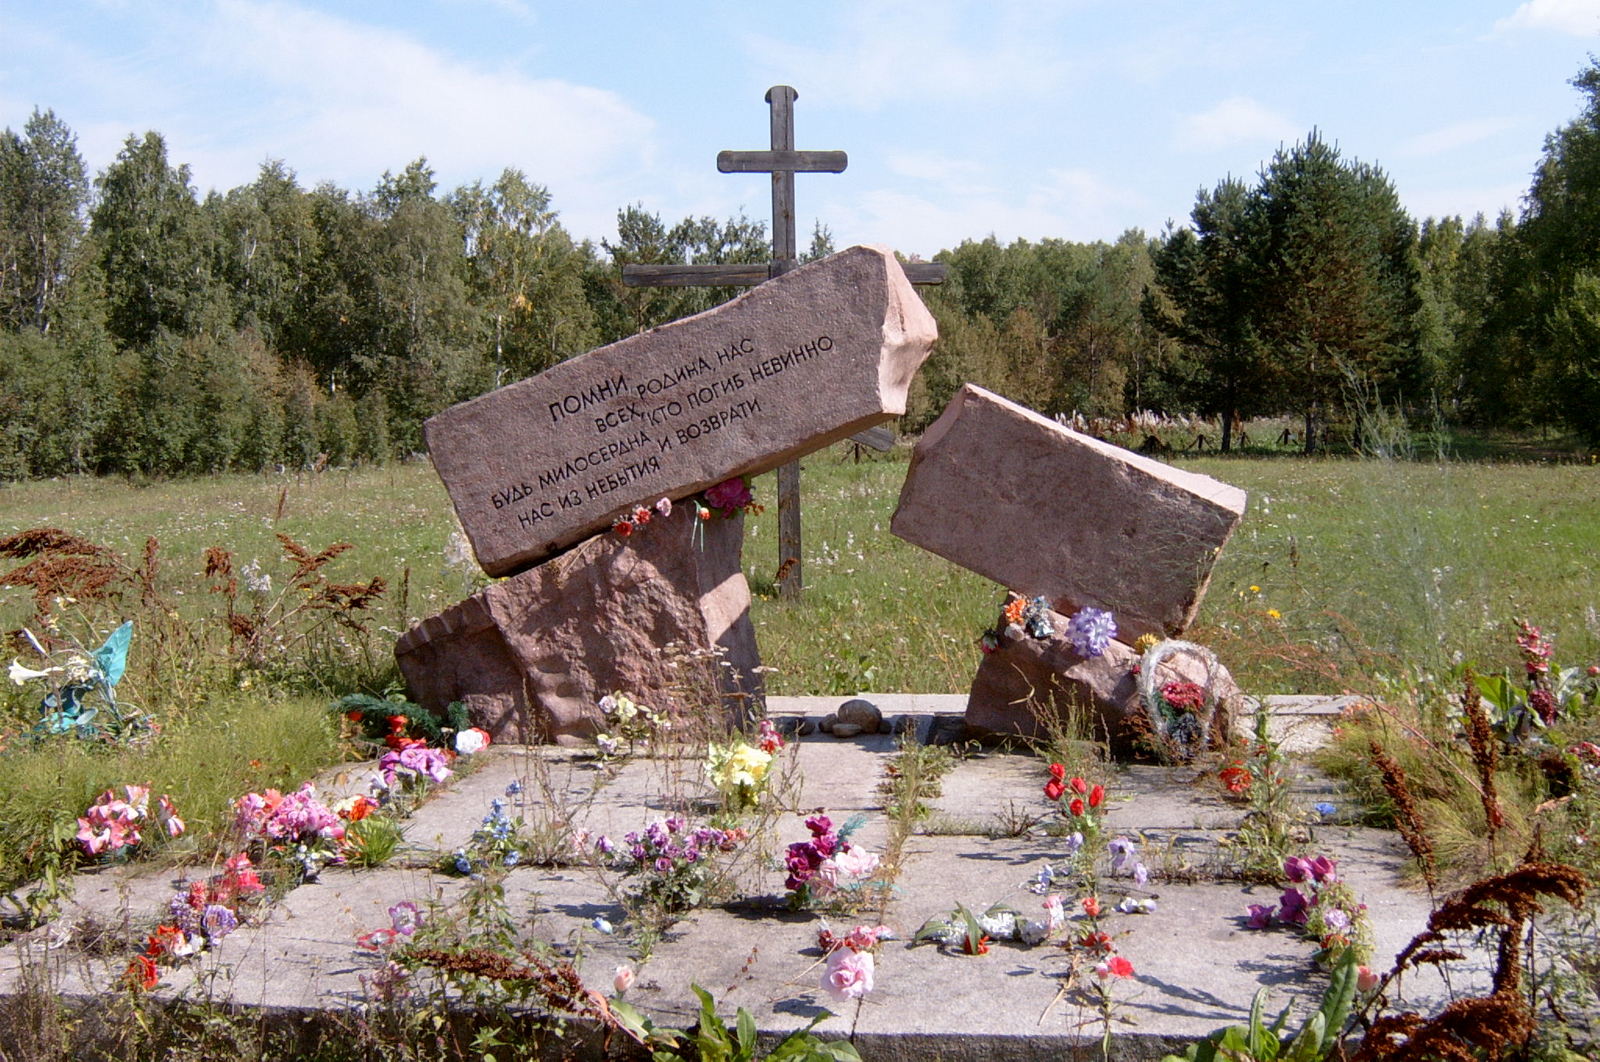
(664,508)
(169,817)
(865,938)
(623,980)
(1366,980)
(848,974)
(1054,912)
(730,495)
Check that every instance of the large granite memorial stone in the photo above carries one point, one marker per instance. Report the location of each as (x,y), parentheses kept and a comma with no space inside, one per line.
(806,359)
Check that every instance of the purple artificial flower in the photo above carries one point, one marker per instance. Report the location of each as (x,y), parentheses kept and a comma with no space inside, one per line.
(405,917)
(1261,915)
(1297,869)
(217,922)
(1293,907)
(1324,869)
(1090,630)
(1337,920)
(663,865)
(1122,850)
(819,824)
(1141,874)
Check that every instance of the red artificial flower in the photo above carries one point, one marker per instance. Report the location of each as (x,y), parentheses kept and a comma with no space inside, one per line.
(162,941)
(623,527)
(1076,807)
(1095,941)
(142,974)
(1014,610)
(354,715)
(1117,966)
(1057,771)
(1236,777)
(1079,786)
(981,949)
(1091,906)
(1097,796)
(1054,789)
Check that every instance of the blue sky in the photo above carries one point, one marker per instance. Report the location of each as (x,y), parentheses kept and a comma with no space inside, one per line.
(1035,119)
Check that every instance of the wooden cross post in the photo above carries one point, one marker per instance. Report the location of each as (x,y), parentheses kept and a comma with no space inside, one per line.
(783,162)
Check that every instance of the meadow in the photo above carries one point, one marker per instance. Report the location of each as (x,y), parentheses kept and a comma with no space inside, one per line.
(1342,570)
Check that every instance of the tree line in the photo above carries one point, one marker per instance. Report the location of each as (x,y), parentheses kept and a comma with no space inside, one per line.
(145,329)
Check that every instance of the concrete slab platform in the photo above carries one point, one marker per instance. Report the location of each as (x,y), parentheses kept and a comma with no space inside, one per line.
(1197,964)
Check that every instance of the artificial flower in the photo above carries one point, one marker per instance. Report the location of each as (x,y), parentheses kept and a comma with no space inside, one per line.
(472,740)
(623,979)
(848,974)
(1116,966)
(1090,630)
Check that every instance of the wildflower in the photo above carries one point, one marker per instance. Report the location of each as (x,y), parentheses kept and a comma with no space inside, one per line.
(623,979)
(1116,966)
(1090,630)
(848,974)
(463,863)
(1273,613)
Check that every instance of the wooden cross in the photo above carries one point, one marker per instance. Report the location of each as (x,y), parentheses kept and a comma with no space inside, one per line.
(783,162)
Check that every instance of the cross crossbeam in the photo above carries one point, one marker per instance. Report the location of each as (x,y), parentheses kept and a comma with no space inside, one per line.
(783,162)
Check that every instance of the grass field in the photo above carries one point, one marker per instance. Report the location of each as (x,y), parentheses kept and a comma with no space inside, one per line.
(1370,566)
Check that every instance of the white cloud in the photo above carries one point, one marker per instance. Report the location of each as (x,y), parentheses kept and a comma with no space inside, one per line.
(1071,204)
(922,51)
(1465,201)
(341,98)
(1453,136)
(1236,120)
(1579,18)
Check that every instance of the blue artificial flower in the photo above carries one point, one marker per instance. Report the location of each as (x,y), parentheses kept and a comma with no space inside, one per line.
(601,924)
(1324,809)
(1036,619)
(513,857)
(463,864)
(1090,630)
(513,789)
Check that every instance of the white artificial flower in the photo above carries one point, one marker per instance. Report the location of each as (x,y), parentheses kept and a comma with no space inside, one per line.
(20,674)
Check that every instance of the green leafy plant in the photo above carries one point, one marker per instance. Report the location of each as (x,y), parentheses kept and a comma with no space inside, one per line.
(715,1042)
(1260,1042)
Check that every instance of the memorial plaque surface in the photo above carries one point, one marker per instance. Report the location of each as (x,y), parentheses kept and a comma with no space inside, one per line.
(1044,510)
(804,360)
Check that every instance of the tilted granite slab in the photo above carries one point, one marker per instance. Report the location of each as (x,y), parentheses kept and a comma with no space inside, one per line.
(801,361)
(1046,511)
